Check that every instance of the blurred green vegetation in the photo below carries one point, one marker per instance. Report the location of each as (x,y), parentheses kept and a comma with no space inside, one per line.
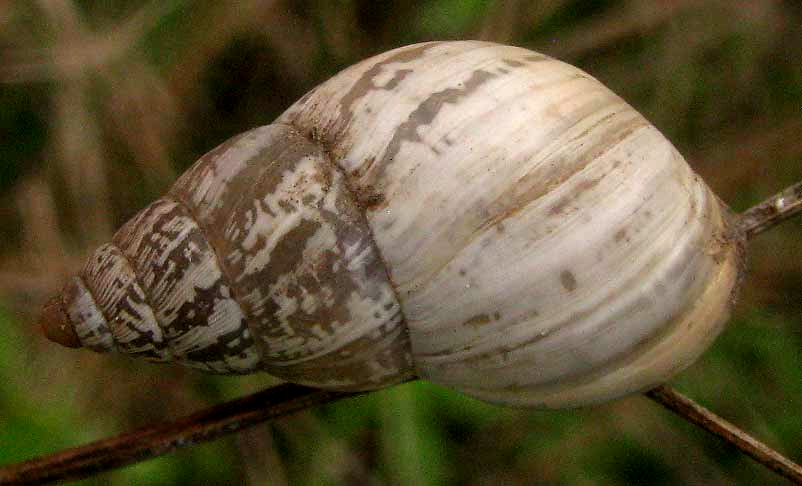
(103,103)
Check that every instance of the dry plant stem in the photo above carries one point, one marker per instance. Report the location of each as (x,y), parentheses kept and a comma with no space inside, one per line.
(155,440)
(772,211)
(704,418)
(229,417)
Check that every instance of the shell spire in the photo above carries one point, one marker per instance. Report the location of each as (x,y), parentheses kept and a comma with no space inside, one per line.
(56,325)
(256,260)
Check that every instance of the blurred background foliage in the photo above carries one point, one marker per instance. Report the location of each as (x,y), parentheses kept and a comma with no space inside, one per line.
(103,103)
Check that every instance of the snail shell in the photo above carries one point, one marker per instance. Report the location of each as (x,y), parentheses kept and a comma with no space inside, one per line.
(478,215)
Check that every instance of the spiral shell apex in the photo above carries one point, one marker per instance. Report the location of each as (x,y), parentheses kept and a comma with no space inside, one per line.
(478,215)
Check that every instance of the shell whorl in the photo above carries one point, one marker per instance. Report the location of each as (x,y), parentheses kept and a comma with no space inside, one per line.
(483,216)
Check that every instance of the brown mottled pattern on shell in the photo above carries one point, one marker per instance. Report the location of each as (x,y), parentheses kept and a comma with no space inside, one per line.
(328,114)
(327,299)
(385,162)
(330,123)
(209,186)
(202,323)
(372,362)
(89,323)
(112,283)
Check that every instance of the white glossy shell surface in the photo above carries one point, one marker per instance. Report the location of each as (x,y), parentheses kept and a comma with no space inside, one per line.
(548,245)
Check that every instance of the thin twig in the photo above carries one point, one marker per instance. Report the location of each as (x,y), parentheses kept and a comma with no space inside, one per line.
(235,415)
(772,211)
(155,440)
(704,418)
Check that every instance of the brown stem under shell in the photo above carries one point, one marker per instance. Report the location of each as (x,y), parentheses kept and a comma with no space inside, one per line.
(235,415)
(229,417)
(704,418)
(159,439)
(772,211)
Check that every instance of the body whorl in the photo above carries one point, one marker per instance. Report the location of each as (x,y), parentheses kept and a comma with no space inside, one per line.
(483,216)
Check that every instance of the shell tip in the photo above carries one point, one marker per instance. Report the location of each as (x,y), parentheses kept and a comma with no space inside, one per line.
(56,324)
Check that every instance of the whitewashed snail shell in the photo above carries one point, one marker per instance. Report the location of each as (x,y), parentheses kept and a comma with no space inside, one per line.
(478,215)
